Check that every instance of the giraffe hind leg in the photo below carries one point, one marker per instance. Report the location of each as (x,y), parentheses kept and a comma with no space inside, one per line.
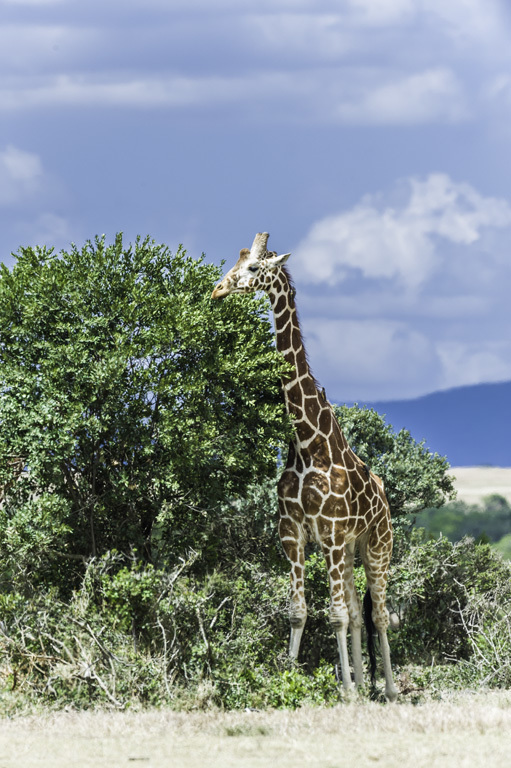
(376,567)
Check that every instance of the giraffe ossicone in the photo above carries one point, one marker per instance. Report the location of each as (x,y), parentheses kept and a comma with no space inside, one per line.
(326,493)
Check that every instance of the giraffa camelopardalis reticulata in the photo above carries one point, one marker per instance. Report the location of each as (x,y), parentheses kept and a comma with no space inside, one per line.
(326,493)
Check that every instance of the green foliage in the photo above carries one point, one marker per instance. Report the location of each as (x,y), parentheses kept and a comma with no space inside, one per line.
(139,635)
(138,549)
(33,539)
(490,520)
(503,546)
(414,478)
(136,402)
(432,587)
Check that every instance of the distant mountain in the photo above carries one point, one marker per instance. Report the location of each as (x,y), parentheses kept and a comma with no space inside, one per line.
(470,425)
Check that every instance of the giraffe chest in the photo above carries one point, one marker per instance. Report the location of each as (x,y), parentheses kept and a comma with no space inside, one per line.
(320,504)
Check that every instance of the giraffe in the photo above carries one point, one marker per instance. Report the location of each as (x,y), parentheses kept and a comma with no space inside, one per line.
(326,493)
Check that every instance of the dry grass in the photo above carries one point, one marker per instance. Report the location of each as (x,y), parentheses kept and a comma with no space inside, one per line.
(464,730)
(474,483)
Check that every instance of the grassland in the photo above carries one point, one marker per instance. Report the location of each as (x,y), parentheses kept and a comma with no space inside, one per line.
(474,483)
(469,729)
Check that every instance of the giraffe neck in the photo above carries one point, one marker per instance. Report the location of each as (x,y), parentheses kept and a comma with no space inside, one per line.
(304,402)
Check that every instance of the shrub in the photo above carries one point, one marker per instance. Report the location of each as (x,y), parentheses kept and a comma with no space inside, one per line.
(432,588)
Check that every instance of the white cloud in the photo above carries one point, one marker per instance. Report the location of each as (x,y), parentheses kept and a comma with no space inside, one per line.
(20,175)
(394,62)
(417,282)
(480,23)
(430,96)
(473,362)
(399,242)
(363,356)
(161,91)
(316,96)
(29,192)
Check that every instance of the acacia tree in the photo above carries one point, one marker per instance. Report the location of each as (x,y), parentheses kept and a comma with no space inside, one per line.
(135,402)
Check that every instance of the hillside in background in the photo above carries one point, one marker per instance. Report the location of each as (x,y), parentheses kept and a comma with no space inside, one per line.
(470,425)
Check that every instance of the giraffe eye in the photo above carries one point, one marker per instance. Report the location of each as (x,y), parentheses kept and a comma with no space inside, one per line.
(254,268)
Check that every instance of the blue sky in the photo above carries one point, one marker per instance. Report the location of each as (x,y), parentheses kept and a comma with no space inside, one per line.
(370,137)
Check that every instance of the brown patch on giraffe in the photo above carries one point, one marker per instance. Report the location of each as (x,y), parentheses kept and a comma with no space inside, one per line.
(337,556)
(305,431)
(308,386)
(291,549)
(294,393)
(335,507)
(335,574)
(298,463)
(244,254)
(348,460)
(289,485)
(296,411)
(280,305)
(288,528)
(357,482)
(313,408)
(339,481)
(296,339)
(283,326)
(319,449)
(294,511)
(318,481)
(311,501)
(325,421)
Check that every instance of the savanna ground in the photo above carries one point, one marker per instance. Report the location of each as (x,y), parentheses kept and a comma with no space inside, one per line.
(469,729)
(474,483)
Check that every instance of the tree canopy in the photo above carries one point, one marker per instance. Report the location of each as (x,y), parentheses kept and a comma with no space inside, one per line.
(134,401)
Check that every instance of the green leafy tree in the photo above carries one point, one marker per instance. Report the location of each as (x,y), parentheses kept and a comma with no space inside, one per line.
(136,403)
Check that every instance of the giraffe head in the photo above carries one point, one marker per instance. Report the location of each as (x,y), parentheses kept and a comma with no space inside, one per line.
(255,270)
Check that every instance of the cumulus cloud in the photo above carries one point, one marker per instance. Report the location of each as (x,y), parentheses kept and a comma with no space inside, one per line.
(395,242)
(415,281)
(359,359)
(20,174)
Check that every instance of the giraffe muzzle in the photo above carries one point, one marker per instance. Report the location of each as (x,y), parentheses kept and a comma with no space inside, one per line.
(220,292)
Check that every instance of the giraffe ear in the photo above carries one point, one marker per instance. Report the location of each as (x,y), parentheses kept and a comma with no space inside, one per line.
(278,261)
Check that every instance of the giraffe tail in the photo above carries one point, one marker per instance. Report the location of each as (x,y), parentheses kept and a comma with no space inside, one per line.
(370,630)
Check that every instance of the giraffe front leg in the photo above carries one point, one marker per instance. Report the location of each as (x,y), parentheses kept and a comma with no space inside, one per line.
(297,606)
(294,551)
(339,616)
(355,614)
